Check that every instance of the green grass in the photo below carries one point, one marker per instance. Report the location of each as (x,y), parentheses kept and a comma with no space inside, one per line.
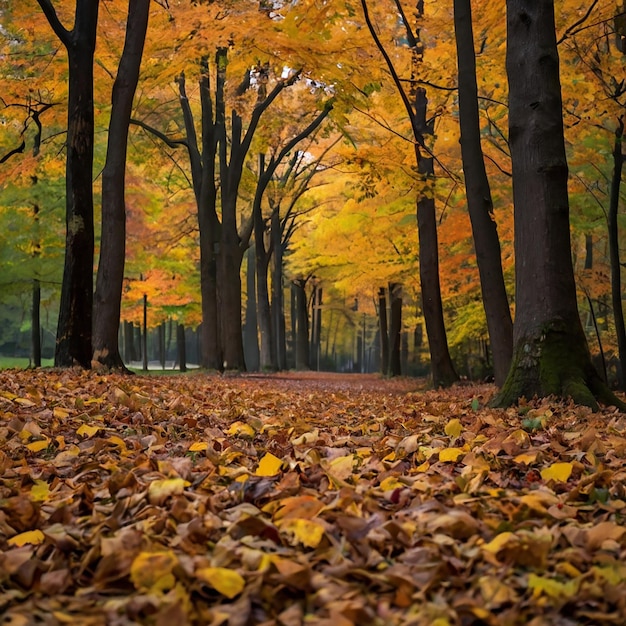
(9,362)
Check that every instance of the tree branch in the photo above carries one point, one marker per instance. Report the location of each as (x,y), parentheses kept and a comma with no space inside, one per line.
(172,143)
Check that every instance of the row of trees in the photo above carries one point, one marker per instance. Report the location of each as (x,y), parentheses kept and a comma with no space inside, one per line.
(252,175)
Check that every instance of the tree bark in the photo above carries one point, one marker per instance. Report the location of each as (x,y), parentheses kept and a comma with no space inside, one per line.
(278,307)
(551,355)
(384,331)
(479,202)
(181,346)
(262,257)
(302,325)
(36,323)
(614,254)
(395,330)
(110,276)
(442,368)
(250,329)
(73,341)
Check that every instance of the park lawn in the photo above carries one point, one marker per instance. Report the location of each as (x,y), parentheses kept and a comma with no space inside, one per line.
(10,362)
(304,499)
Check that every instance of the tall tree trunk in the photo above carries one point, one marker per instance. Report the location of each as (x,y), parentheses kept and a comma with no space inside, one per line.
(110,277)
(302,325)
(479,202)
(181,346)
(550,356)
(416,103)
(384,331)
(278,307)
(264,316)
(36,324)
(614,253)
(250,329)
(293,323)
(229,288)
(442,368)
(144,336)
(316,326)
(73,342)
(395,329)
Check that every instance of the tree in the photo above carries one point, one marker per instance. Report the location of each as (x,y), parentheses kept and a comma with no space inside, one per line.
(73,344)
(267,170)
(416,104)
(479,202)
(551,356)
(110,277)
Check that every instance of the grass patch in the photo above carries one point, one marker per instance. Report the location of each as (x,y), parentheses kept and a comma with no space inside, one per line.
(10,362)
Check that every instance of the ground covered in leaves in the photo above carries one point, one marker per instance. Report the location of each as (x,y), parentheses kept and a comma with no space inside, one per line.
(288,500)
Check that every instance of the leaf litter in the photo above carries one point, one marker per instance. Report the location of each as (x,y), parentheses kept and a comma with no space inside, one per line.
(304,499)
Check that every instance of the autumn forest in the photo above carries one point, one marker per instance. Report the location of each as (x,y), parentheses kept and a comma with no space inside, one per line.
(255,174)
(375,250)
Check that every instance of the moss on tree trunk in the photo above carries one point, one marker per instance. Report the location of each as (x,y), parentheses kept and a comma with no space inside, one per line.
(555,362)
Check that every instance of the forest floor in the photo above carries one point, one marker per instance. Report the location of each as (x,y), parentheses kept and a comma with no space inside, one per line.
(296,499)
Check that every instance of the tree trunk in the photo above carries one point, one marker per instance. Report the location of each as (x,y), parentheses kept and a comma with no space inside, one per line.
(316,326)
(181,347)
(550,356)
(36,324)
(229,295)
(395,330)
(442,370)
(293,323)
(250,329)
(144,336)
(302,326)
(73,341)
(267,351)
(384,331)
(110,277)
(278,307)
(614,255)
(479,202)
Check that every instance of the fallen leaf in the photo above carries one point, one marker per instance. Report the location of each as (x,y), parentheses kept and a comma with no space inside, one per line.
(226,581)
(32,537)
(269,465)
(559,472)
(152,571)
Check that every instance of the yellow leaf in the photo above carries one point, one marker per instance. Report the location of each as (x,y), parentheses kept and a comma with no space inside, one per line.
(34,537)
(87,430)
(40,491)
(557,471)
(302,507)
(341,467)
(495,591)
(305,531)
(60,413)
(453,428)
(117,441)
(241,429)
(390,483)
(226,581)
(160,490)
(498,542)
(25,402)
(551,587)
(306,438)
(450,454)
(198,446)
(152,571)
(269,465)
(38,446)
(526,458)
